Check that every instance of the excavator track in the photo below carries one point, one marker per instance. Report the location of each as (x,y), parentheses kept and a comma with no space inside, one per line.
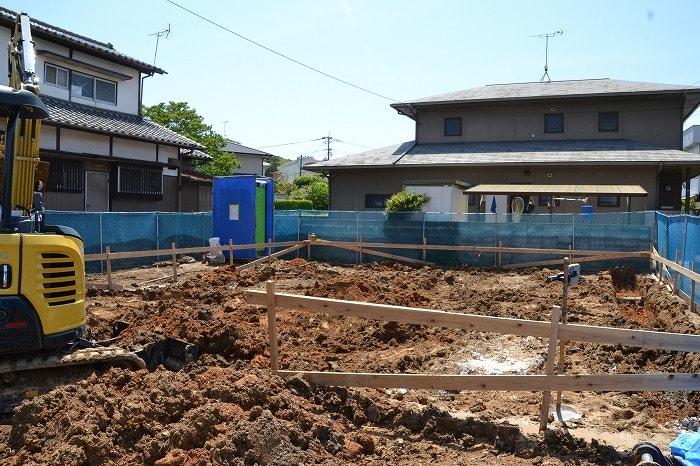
(26,376)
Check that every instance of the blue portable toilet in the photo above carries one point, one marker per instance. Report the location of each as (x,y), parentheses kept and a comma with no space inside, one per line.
(243,211)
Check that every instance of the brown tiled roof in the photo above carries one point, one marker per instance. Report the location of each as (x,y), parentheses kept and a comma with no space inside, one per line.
(70,114)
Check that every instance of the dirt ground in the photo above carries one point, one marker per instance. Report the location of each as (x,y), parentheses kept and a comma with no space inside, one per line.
(226,408)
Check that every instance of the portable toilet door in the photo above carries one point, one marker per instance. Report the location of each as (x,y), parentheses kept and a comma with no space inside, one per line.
(233,212)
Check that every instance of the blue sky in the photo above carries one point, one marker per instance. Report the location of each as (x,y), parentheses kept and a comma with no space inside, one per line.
(397,49)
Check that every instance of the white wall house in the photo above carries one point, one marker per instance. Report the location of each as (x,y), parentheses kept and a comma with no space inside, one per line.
(294,169)
(252,160)
(103,155)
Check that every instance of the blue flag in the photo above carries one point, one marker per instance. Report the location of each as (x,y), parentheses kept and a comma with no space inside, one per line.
(493,204)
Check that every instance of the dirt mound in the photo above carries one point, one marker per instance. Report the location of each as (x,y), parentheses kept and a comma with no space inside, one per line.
(226,407)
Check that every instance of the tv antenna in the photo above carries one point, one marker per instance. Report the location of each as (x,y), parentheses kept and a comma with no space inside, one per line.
(546,51)
(159,34)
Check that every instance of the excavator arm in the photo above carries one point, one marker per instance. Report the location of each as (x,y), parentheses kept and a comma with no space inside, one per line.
(22,74)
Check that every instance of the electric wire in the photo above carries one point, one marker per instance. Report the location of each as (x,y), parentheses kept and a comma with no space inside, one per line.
(286,57)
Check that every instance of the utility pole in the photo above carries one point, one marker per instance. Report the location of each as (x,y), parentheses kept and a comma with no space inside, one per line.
(546,51)
(328,145)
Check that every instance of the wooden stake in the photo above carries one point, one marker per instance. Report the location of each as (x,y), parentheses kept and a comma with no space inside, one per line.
(109,269)
(693,306)
(425,251)
(564,313)
(551,356)
(230,251)
(174,262)
(500,253)
(272,325)
(675,274)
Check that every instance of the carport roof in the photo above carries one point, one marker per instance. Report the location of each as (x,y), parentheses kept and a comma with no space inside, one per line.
(560,189)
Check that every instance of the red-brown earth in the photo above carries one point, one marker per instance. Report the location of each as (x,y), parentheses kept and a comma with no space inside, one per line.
(226,408)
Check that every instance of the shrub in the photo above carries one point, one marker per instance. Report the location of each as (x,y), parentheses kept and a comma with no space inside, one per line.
(406,202)
(293,204)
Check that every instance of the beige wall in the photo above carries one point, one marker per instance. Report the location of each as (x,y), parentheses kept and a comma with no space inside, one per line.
(654,121)
(349,187)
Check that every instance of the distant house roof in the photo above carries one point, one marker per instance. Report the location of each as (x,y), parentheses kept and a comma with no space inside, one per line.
(74,41)
(243,150)
(584,152)
(84,117)
(585,88)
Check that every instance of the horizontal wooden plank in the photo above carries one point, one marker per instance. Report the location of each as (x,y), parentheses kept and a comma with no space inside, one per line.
(555,382)
(372,252)
(271,256)
(678,268)
(521,327)
(202,249)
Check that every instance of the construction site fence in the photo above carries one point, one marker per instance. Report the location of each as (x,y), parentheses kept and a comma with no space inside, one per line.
(614,232)
(139,231)
(678,240)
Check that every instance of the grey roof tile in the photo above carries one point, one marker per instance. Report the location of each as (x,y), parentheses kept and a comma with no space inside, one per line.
(71,114)
(241,149)
(581,152)
(62,36)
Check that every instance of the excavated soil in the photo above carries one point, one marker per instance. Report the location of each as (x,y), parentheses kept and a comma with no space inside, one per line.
(226,408)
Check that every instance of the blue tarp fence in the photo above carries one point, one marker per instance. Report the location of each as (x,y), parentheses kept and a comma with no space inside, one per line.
(625,231)
(680,234)
(134,231)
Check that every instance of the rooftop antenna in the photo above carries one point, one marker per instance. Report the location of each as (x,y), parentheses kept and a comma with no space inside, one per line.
(546,51)
(159,34)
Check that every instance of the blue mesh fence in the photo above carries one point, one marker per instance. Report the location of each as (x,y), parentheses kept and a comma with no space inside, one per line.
(680,234)
(627,231)
(136,231)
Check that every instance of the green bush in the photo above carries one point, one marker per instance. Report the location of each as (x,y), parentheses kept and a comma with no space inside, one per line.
(406,202)
(293,204)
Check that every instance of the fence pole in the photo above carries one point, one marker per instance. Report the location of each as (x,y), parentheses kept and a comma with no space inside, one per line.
(500,253)
(230,251)
(425,251)
(551,356)
(174,262)
(692,292)
(109,269)
(360,250)
(272,325)
(675,273)
(564,313)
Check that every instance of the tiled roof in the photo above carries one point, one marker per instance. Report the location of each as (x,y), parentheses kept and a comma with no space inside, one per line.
(584,152)
(584,88)
(63,37)
(70,114)
(240,149)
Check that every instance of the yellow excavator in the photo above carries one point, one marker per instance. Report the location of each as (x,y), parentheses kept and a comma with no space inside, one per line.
(42,274)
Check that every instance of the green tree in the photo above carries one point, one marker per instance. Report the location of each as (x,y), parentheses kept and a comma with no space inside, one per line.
(313,188)
(179,117)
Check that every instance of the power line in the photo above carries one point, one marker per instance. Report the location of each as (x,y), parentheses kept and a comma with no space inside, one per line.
(280,54)
(290,143)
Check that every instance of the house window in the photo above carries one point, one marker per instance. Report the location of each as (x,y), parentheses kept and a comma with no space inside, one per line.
(376,201)
(89,87)
(608,201)
(608,122)
(56,76)
(140,180)
(554,123)
(453,126)
(67,176)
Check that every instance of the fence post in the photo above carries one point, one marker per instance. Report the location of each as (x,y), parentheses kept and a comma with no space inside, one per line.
(174,262)
(360,250)
(564,313)
(425,251)
(272,325)
(551,356)
(692,292)
(500,253)
(230,251)
(109,269)
(675,273)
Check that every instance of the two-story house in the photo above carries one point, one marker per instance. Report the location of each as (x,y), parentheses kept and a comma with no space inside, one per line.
(103,155)
(252,160)
(616,145)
